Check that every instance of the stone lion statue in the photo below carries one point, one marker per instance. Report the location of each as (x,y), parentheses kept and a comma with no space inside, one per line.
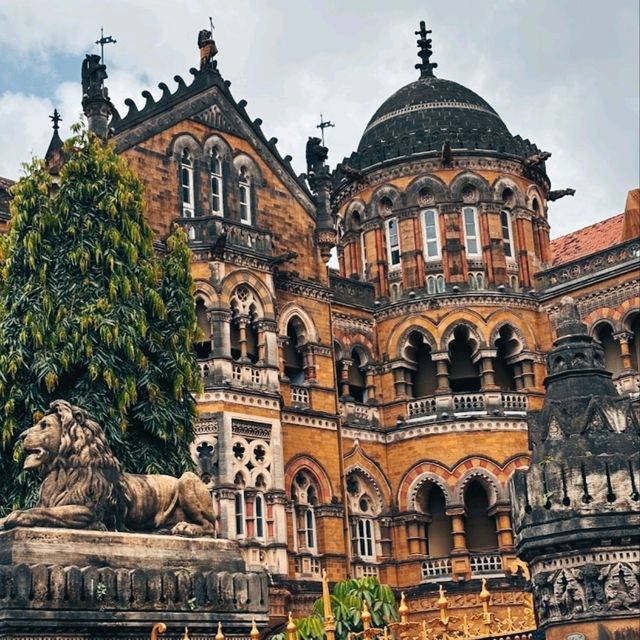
(84,486)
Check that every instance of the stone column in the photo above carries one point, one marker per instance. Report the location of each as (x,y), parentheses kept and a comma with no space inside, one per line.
(370,384)
(242,326)
(442,372)
(399,382)
(504,529)
(517,376)
(528,375)
(344,377)
(415,527)
(487,372)
(220,332)
(282,342)
(623,338)
(460,565)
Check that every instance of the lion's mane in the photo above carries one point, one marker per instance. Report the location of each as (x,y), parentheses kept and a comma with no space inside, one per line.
(84,470)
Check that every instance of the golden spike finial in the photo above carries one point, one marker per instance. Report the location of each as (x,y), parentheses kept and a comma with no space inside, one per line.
(403,609)
(185,635)
(291,628)
(485,598)
(366,616)
(443,603)
(254,634)
(219,635)
(158,627)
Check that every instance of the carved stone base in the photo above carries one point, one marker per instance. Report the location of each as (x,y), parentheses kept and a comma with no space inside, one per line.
(86,584)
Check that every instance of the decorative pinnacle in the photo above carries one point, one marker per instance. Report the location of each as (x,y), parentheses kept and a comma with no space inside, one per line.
(425,52)
(56,118)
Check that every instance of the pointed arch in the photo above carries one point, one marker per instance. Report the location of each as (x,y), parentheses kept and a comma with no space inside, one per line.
(246,277)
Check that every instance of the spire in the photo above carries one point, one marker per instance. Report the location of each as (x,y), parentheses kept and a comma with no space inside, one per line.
(96,104)
(425,52)
(56,141)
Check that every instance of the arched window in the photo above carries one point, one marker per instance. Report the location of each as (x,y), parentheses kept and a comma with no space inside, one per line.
(435,284)
(431,501)
(507,243)
(395,290)
(215,176)
(204,345)
(393,243)
(612,358)
(471,233)
(514,283)
(293,358)
(507,345)
(304,494)
(476,280)
(244,194)
(186,184)
(480,527)
(464,375)
(240,513)
(364,509)
(431,234)
(417,353)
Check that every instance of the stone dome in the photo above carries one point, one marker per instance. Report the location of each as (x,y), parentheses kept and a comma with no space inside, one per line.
(433,109)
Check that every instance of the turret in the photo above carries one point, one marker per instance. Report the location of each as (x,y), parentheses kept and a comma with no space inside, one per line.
(576,512)
(96,105)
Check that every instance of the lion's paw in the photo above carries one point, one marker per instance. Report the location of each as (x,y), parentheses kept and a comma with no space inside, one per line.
(187,529)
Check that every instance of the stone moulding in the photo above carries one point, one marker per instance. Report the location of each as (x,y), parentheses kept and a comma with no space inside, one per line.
(64,580)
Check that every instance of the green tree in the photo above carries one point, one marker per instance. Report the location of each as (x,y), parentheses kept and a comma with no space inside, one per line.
(347,599)
(90,314)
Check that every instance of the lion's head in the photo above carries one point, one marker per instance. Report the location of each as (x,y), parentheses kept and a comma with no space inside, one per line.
(70,450)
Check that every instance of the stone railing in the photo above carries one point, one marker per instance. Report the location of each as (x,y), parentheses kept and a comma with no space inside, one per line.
(435,568)
(211,230)
(360,413)
(484,563)
(515,402)
(511,402)
(422,407)
(351,291)
(366,570)
(626,252)
(247,375)
(299,396)
(308,566)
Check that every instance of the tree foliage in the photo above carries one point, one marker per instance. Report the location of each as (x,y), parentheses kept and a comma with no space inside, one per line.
(347,599)
(90,314)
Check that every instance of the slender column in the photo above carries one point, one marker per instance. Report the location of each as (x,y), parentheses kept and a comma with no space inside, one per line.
(528,376)
(442,373)
(382,264)
(504,529)
(487,371)
(370,384)
(417,234)
(344,377)
(458,531)
(625,353)
(282,341)
(399,382)
(220,333)
(518,376)
(242,326)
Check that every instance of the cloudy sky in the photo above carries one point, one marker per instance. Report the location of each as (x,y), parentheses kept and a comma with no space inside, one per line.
(563,73)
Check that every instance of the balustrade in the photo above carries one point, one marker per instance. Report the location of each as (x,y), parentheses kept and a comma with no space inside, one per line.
(299,396)
(484,563)
(435,568)
(511,403)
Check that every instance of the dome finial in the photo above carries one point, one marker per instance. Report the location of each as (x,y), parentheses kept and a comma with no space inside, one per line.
(425,52)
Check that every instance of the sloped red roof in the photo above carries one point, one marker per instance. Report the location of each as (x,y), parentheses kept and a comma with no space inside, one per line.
(591,239)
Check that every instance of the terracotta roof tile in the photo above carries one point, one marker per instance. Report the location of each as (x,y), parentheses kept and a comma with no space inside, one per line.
(591,239)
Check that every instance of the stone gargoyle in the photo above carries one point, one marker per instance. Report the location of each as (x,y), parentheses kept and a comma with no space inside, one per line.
(84,486)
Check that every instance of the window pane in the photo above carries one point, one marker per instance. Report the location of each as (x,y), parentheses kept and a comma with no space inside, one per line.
(239,514)
(431,233)
(506,233)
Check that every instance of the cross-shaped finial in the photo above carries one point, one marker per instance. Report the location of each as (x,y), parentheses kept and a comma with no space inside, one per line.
(56,118)
(323,125)
(102,41)
(425,52)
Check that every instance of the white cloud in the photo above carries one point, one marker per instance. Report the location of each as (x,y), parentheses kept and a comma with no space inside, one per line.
(534,62)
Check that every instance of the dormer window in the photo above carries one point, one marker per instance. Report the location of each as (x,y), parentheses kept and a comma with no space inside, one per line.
(244,188)
(393,243)
(215,174)
(186,184)
(472,243)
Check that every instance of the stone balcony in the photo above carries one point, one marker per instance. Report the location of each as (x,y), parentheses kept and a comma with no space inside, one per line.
(359,414)
(211,230)
(463,405)
(481,565)
(222,372)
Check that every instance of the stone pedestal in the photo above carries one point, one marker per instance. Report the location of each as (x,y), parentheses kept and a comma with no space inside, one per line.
(65,583)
